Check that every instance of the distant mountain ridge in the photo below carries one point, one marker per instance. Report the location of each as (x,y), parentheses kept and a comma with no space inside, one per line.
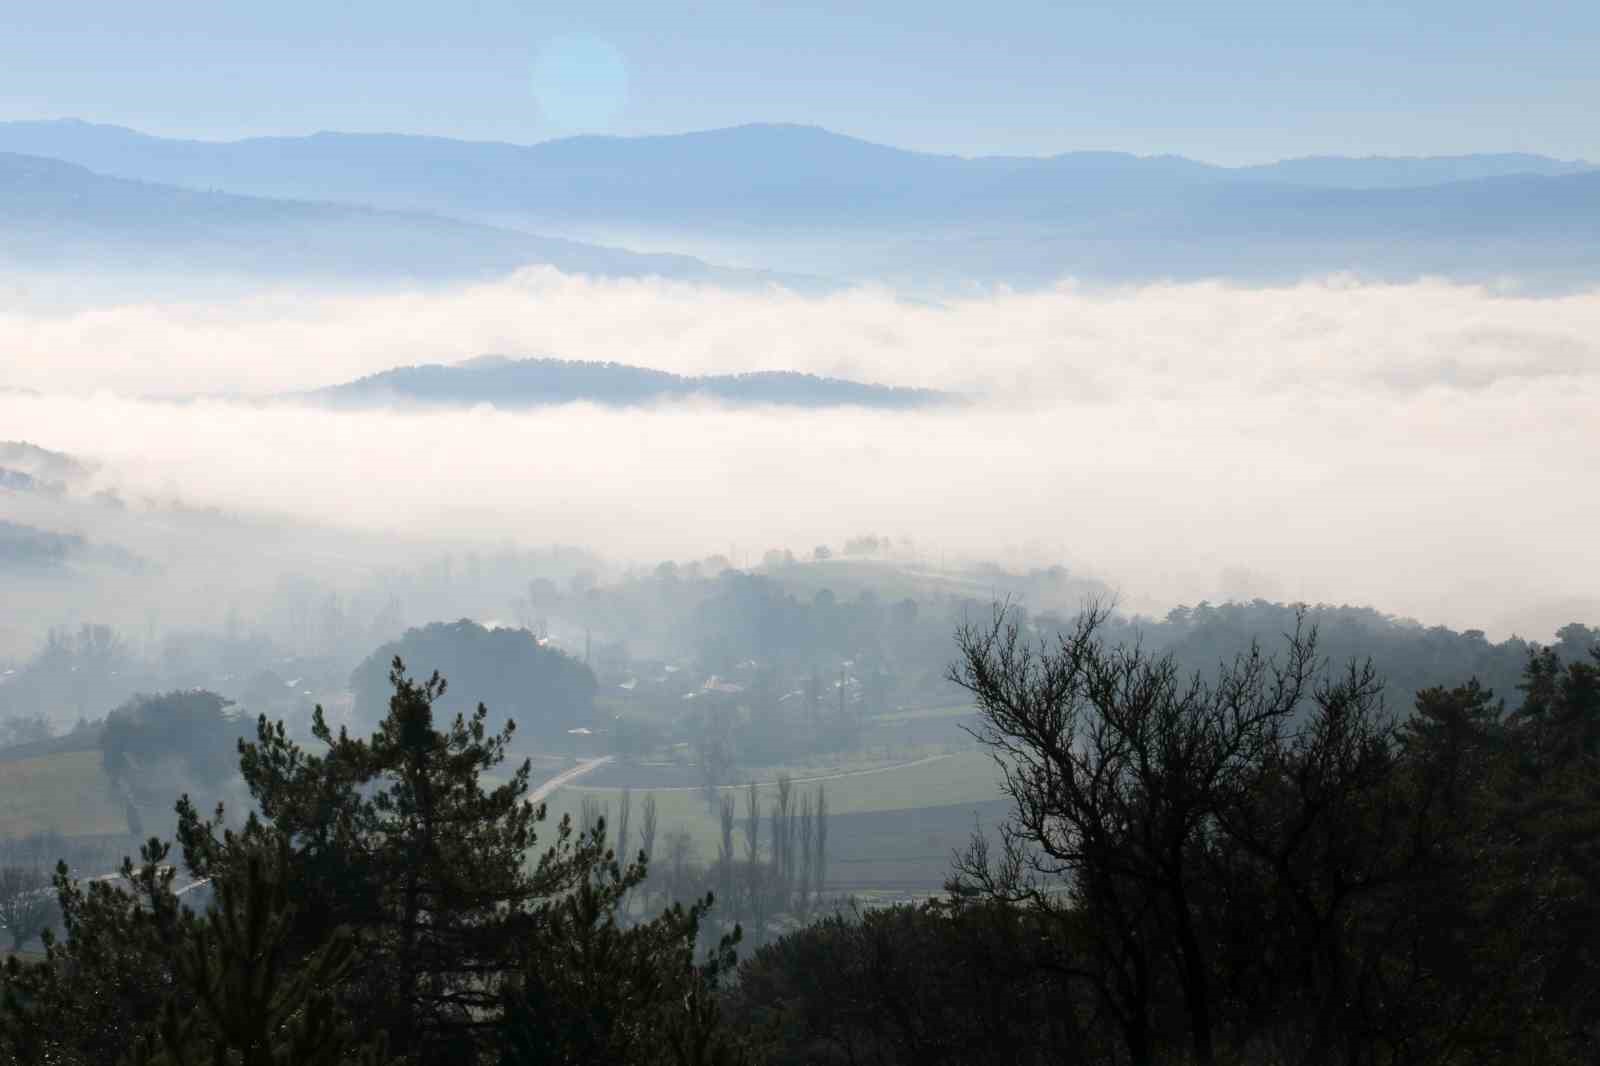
(1403,172)
(811,202)
(345,160)
(505,382)
(61,215)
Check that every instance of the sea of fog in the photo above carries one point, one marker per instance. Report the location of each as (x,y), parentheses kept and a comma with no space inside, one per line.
(1428,448)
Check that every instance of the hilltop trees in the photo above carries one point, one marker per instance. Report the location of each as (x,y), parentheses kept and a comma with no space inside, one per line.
(153,745)
(544,690)
(193,727)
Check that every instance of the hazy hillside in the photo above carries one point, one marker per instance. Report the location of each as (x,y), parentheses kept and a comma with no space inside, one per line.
(27,467)
(806,173)
(804,170)
(61,216)
(804,199)
(1398,172)
(24,547)
(506,382)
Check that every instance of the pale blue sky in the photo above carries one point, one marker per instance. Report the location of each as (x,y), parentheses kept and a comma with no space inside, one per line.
(1227,81)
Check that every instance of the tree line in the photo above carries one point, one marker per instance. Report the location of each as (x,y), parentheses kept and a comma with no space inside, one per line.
(1264,865)
(1264,862)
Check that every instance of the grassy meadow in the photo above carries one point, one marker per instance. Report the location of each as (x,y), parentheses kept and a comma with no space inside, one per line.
(893,826)
(64,793)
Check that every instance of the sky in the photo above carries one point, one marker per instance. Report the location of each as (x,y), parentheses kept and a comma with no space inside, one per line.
(1231,81)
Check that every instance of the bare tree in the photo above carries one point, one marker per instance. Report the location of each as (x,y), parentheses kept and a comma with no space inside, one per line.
(681,873)
(752,854)
(806,833)
(591,815)
(647,842)
(752,824)
(624,813)
(27,904)
(725,855)
(1117,769)
(647,834)
(819,858)
(24,729)
(782,842)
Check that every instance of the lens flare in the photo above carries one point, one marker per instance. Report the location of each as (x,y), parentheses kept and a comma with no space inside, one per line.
(580,81)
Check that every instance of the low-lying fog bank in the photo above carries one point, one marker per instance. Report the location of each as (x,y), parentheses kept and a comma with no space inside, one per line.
(1425,448)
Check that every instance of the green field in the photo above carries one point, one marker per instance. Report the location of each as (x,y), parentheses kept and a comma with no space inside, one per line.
(66,793)
(922,714)
(892,826)
(918,814)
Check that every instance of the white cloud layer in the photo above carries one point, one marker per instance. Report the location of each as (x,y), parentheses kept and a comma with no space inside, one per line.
(1429,449)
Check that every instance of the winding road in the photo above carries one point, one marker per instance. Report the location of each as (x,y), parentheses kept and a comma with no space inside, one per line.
(566,777)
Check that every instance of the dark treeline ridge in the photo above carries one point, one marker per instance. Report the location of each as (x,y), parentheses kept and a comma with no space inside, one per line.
(1276,858)
(543,690)
(799,614)
(788,627)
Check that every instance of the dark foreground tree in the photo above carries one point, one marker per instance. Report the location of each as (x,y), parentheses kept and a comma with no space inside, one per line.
(395,840)
(243,994)
(1265,866)
(600,991)
(943,984)
(100,986)
(1118,768)
(380,905)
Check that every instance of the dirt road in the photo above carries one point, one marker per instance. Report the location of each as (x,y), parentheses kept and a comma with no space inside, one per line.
(565,777)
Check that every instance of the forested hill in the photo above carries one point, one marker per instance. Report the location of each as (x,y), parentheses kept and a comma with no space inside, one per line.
(506,382)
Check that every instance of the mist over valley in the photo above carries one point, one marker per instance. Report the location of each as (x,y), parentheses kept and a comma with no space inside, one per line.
(934,537)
